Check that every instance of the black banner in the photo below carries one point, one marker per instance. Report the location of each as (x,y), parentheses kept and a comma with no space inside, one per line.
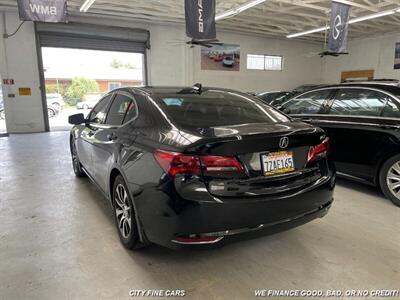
(200,19)
(339,28)
(43,10)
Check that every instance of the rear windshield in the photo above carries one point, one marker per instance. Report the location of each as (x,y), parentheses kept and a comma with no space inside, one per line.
(216,108)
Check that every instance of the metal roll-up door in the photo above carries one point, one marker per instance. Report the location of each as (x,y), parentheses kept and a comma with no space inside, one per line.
(95,37)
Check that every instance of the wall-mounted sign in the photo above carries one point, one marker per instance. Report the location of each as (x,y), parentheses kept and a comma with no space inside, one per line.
(338,31)
(200,19)
(397,56)
(25,91)
(225,57)
(43,10)
(8,81)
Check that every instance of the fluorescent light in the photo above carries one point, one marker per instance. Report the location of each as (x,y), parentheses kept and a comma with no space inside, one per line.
(352,21)
(373,16)
(307,32)
(238,10)
(86,5)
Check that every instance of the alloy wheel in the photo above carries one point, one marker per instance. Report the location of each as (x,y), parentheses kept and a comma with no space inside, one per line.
(123,211)
(393,179)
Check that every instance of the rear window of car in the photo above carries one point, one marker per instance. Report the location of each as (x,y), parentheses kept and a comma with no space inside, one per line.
(217,108)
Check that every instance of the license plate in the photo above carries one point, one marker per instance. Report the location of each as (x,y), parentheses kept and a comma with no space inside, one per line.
(277,162)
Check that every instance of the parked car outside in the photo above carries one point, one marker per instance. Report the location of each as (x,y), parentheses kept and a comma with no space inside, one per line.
(218,58)
(88,104)
(55,100)
(52,111)
(228,61)
(363,123)
(198,167)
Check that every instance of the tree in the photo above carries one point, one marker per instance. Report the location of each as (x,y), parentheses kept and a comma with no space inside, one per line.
(118,64)
(79,87)
(53,88)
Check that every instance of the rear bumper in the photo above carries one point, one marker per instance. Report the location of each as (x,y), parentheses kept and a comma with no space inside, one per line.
(164,216)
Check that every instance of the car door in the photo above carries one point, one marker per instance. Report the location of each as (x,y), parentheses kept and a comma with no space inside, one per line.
(106,141)
(360,134)
(85,142)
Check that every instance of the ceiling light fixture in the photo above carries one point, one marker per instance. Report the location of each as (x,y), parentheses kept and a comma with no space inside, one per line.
(352,21)
(238,10)
(86,5)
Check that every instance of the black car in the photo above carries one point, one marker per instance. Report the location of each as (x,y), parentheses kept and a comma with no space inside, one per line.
(279,97)
(363,123)
(273,98)
(194,166)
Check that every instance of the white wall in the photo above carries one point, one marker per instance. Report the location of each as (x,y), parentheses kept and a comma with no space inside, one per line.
(170,62)
(301,65)
(18,60)
(370,53)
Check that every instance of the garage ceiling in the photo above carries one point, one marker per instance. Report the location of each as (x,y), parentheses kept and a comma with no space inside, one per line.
(272,18)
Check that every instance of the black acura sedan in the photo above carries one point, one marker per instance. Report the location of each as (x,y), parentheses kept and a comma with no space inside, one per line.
(362,121)
(196,167)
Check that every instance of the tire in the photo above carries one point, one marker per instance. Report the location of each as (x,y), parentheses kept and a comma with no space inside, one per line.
(51,113)
(124,215)
(77,166)
(56,106)
(389,179)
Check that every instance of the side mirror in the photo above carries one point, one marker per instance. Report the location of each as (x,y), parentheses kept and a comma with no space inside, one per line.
(76,119)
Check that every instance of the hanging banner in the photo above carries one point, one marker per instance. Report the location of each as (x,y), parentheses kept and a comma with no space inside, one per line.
(200,19)
(339,28)
(53,11)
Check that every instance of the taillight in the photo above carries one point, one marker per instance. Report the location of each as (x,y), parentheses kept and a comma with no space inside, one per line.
(177,163)
(318,151)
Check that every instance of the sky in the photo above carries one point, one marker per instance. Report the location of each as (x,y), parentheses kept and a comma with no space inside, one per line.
(67,61)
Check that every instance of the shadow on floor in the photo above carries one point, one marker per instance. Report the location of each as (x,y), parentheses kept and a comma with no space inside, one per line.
(360,187)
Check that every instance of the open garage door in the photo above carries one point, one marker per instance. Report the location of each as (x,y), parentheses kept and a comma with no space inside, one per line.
(94,37)
(74,54)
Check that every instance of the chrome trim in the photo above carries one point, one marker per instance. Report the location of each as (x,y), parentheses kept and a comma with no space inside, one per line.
(354,123)
(345,87)
(198,243)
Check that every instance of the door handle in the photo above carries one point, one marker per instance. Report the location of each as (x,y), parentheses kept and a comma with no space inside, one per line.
(112,137)
(91,133)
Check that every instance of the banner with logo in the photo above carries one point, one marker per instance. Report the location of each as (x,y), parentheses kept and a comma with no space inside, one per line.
(43,10)
(200,19)
(339,28)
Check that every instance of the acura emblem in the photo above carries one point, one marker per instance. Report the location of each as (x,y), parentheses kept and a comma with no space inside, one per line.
(284,142)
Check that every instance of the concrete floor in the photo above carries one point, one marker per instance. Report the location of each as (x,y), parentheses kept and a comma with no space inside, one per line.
(58,241)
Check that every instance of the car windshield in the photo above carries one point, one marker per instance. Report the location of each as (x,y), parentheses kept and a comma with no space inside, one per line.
(217,108)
